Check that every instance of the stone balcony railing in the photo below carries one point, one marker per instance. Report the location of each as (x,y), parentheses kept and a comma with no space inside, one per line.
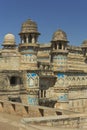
(60,51)
(44,115)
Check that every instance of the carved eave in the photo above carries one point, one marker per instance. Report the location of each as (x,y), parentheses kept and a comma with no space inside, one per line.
(44,63)
(75,71)
(59,70)
(11,51)
(47,76)
(59,51)
(44,46)
(33,91)
(77,87)
(43,55)
(61,89)
(74,49)
(24,52)
(31,32)
(28,45)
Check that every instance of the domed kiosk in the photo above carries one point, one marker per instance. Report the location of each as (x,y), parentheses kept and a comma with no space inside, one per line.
(9,41)
(29,32)
(59,40)
(59,35)
(84,44)
(29,26)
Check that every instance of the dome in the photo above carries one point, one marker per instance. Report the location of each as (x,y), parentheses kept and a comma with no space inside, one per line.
(59,35)
(9,39)
(84,44)
(29,27)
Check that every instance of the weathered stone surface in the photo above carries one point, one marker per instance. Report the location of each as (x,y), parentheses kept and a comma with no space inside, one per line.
(53,74)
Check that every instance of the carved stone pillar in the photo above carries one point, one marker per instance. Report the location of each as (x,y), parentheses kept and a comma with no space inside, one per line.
(33,38)
(22,40)
(36,38)
(26,38)
(57,46)
(62,47)
(53,47)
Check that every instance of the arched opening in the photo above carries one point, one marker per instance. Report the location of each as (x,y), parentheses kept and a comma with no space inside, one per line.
(14,99)
(15,80)
(24,39)
(29,38)
(55,46)
(60,45)
(31,82)
(58,113)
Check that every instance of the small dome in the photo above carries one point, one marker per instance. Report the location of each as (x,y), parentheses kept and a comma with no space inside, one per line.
(84,44)
(59,35)
(29,27)
(9,39)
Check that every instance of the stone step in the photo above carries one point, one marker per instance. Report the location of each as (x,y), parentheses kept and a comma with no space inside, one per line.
(83,126)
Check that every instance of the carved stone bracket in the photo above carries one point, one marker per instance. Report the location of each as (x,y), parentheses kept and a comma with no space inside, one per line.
(32,91)
(61,89)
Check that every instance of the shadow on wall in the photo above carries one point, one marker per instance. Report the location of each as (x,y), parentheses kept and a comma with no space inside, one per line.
(47,103)
(15,99)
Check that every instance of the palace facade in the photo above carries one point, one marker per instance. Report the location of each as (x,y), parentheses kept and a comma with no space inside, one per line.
(53,74)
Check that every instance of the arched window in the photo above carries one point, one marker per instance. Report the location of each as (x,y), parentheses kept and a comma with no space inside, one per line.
(31,82)
(13,80)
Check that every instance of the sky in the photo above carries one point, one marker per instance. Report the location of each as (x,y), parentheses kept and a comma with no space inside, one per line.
(50,15)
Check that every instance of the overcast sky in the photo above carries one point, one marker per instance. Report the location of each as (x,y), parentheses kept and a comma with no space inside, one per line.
(50,15)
